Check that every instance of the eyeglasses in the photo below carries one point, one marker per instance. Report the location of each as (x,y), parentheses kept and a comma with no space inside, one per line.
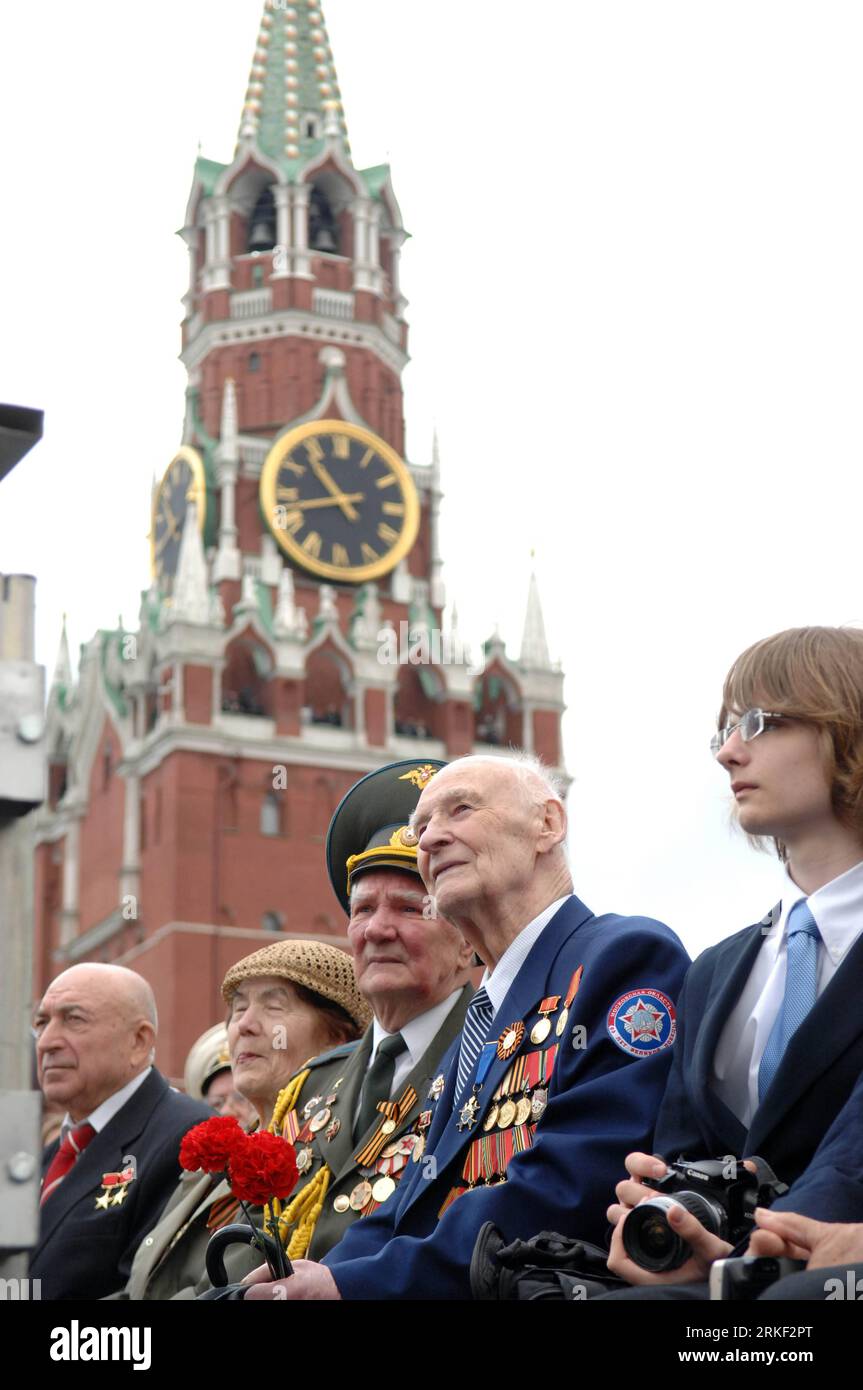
(750,724)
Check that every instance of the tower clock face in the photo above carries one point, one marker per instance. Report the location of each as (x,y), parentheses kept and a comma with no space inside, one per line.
(339,501)
(184,480)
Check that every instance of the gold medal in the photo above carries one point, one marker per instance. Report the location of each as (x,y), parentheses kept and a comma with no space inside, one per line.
(342,1204)
(361,1196)
(318,1121)
(506,1114)
(383,1188)
(491,1118)
(387,1127)
(561,1022)
(391,1149)
(522,1111)
(305,1159)
(540,1030)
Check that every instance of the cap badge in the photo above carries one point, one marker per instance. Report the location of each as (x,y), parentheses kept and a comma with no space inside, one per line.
(419,775)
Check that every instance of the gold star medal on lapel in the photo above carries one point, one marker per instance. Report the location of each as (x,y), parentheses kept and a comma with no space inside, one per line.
(115,1186)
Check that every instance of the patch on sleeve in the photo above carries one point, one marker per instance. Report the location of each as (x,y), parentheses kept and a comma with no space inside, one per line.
(642,1022)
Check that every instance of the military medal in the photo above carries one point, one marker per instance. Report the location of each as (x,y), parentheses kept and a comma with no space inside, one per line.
(468,1113)
(491,1118)
(510,1040)
(419,1148)
(361,1195)
(331,1099)
(425,1119)
(522,1111)
(305,1158)
(388,1126)
(570,995)
(383,1188)
(342,1204)
(320,1120)
(506,1114)
(311,1106)
(332,1130)
(391,1149)
(539,1101)
(437,1087)
(541,1029)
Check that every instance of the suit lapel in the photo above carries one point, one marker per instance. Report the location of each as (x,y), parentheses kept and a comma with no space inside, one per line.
(525,993)
(336,1152)
(101,1155)
(736,973)
(831,1027)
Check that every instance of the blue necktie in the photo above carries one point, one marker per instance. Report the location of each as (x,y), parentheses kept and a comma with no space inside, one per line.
(801,991)
(480,1012)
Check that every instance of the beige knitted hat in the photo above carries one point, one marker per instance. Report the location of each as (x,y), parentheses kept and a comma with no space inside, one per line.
(325,969)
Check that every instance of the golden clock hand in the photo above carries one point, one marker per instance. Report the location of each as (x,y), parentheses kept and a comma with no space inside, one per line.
(170,518)
(337,499)
(323,476)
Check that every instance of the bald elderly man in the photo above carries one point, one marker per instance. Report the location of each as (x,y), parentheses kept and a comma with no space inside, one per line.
(116,1163)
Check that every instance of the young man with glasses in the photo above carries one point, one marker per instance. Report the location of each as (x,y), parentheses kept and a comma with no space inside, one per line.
(771,1026)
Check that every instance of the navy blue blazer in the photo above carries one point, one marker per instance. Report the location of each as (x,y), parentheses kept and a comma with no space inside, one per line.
(607,1080)
(820,1068)
(831,1189)
(87,1241)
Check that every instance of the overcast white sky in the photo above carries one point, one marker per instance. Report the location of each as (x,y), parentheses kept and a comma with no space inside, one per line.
(636,303)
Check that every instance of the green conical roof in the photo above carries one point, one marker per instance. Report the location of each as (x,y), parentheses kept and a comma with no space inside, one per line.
(292,100)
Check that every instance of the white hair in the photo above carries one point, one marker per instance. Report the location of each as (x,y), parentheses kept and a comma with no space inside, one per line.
(529,769)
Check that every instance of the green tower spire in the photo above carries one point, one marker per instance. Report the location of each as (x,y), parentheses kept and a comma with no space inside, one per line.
(293,105)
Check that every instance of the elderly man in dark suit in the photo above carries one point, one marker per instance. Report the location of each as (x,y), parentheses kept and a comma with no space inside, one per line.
(116,1162)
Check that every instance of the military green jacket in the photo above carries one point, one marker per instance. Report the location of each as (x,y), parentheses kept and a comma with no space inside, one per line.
(334,1085)
(170,1261)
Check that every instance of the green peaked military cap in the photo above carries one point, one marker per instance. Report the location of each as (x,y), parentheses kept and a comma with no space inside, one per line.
(370,830)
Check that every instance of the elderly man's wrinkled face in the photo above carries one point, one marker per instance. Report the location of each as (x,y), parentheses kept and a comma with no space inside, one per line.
(478,832)
(89,1042)
(400,949)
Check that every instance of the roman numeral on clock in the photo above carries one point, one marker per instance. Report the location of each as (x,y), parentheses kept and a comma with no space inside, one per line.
(341,446)
(386,533)
(369,555)
(340,556)
(312,544)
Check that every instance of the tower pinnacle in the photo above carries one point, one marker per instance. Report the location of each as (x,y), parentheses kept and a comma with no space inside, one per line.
(293,105)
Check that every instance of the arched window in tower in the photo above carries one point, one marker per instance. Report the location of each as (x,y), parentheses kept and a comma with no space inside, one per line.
(271,815)
(323,225)
(254,363)
(262,223)
(312,127)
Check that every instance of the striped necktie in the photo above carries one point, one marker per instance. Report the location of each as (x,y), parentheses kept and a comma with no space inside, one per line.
(801,991)
(477,1020)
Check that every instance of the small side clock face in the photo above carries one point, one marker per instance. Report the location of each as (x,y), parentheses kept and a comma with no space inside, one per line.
(339,501)
(184,479)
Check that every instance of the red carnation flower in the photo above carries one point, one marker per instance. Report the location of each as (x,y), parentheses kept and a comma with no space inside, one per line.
(209,1145)
(264,1166)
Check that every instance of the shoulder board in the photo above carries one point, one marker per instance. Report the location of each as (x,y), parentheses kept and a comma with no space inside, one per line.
(344,1050)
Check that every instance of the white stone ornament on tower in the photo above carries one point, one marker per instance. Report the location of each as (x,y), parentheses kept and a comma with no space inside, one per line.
(191,599)
(290,619)
(534,646)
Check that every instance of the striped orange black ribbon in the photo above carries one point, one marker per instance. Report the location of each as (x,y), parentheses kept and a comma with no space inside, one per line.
(390,1110)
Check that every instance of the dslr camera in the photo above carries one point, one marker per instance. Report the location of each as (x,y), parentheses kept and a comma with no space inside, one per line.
(719,1192)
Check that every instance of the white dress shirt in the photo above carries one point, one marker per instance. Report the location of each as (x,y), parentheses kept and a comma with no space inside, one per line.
(497,982)
(418,1034)
(105,1112)
(838,912)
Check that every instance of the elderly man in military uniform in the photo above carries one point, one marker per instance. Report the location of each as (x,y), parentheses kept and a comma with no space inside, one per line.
(561,1063)
(360,1124)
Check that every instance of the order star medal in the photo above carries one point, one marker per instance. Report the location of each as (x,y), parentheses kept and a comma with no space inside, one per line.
(468,1113)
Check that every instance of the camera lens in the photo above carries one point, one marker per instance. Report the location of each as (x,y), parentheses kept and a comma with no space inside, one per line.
(649,1240)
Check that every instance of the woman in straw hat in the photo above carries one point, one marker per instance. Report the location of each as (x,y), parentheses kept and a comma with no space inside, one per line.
(288,1004)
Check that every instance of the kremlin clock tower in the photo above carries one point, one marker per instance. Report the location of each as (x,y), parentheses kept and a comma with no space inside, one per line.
(291,638)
